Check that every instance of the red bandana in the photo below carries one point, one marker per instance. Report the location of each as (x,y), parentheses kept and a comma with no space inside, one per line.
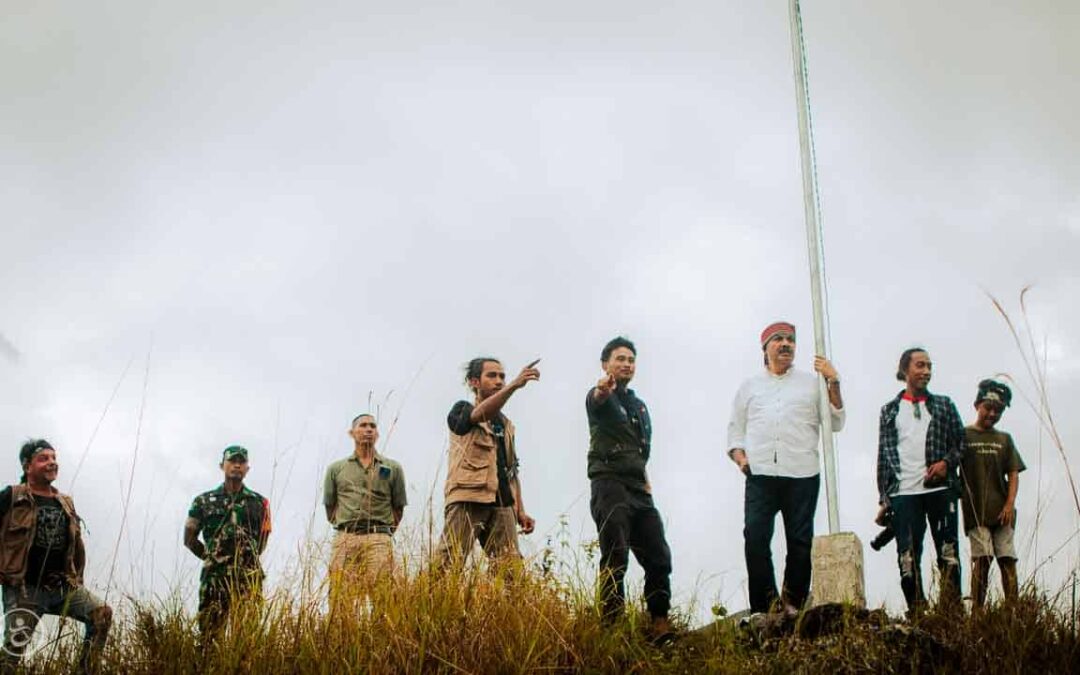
(774,329)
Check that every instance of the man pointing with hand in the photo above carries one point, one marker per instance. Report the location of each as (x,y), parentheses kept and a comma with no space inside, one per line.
(483,492)
(620,441)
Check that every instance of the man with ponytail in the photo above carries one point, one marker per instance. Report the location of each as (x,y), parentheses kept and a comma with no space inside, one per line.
(483,491)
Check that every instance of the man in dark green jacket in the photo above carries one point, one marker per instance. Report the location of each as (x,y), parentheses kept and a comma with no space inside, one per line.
(620,434)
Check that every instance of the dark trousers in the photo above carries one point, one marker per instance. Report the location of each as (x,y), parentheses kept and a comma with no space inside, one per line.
(626,520)
(796,500)
(911,514)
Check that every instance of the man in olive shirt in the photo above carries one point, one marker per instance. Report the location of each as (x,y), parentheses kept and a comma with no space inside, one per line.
(990,472)
(364,495)
(620,441)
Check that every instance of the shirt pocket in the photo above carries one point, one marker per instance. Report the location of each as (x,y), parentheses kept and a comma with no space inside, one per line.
(16,541)
(760,408)
(476,460)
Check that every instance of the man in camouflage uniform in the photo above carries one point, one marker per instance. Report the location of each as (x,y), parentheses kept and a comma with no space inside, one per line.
(234,523)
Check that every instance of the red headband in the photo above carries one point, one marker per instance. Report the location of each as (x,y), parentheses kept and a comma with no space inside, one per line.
(775,329)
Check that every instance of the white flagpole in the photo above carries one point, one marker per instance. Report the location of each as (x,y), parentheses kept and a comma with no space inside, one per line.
(814,244)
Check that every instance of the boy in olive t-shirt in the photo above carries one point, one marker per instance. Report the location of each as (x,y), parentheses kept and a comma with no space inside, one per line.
(990,472)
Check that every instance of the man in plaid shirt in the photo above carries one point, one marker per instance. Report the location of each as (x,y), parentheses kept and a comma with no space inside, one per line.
(920,446)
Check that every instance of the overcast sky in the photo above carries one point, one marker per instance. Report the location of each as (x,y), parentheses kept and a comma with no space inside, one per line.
(281,210)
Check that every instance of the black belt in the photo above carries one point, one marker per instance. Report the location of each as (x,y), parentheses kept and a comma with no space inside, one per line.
(365,528)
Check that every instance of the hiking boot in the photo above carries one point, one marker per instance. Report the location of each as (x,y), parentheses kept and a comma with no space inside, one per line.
(660,632)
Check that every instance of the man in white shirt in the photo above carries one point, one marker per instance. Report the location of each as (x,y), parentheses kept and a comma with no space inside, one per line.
(773,438)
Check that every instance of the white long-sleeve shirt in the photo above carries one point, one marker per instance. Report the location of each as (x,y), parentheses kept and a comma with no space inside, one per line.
(775,419)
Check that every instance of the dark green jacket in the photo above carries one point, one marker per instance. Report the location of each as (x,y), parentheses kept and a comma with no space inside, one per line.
(620,435)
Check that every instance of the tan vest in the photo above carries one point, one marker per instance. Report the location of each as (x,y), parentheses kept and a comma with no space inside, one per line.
(17,534)
(473,471)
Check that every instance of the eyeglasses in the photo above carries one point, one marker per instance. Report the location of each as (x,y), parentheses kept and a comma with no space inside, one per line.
(916,410)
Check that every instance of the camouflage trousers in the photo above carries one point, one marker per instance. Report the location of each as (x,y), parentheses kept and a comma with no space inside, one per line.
(218,589)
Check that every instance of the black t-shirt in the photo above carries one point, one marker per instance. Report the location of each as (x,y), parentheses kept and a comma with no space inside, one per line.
(45,561)
(460,424)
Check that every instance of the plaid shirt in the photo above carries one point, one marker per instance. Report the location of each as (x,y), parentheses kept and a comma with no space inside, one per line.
(944,441)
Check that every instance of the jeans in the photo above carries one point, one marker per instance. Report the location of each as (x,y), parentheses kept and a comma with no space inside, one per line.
(24,607)
(911,514)
(626,520)
(796,500)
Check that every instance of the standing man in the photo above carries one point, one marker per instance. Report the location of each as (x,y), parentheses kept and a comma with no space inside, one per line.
(991,474)
(234,523)
(620,438)
(920,446)
(364,495)
(483,491)
(42,558)
(773,438)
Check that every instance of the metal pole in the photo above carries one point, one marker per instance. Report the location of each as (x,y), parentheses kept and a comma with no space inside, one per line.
(813,242)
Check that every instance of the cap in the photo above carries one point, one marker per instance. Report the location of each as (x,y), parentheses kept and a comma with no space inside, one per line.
(991,390)
(234,451)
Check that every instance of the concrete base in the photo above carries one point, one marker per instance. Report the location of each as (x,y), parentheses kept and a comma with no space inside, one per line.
(838,570)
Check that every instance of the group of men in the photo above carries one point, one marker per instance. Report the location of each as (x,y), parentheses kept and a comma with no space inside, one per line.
(926,461)
(364,494)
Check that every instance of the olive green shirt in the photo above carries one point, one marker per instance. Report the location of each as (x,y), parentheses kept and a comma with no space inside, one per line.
(364,495)
(989,457)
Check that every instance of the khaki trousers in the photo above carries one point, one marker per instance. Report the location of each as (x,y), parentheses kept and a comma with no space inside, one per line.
(495,527)
(357,561)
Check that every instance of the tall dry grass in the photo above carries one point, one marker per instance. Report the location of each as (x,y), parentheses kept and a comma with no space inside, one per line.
(528,618)
(542,617)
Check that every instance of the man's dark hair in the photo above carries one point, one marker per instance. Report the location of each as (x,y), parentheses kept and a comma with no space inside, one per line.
(475,368)
(29,449)
(357,419)
(614,344)
(905,361)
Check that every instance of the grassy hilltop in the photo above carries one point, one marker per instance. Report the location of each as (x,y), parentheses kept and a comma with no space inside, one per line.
(517,622)
(543,618)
